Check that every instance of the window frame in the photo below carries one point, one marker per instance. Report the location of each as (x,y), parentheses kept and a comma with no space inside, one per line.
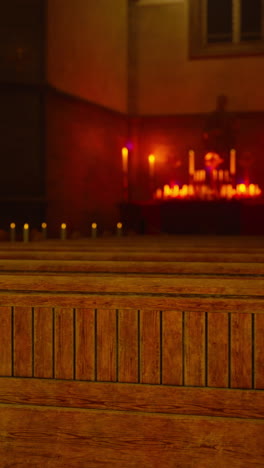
(200,48)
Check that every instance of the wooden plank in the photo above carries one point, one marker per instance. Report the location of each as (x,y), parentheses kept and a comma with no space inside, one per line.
(128,344)
(23,345)
(85,344)
(241,350)
(43,342)
(194,349)
(117,439)
(218,352)
(190,303)
(133,284)
(147,267)
(172,347)
(106,345)
(150,346)
(64,344)
(259,351)
(5,341)
(227,403)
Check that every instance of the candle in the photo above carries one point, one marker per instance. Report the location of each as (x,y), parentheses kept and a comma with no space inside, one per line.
(63,232)
(191,163)
(221,174)
(119,229)
(125,160)
(44,230)
(12,232)
(94,230)
(151,160)
(233,162)
(26,232)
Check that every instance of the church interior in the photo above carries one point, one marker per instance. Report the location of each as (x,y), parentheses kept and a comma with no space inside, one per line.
(131,233)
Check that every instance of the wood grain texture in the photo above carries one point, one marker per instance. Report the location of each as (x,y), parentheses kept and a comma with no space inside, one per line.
(150,346)
(22,334)
(134,267)
(259,351)
(77,438)
(227,403)
(128,345)
(172,347)
(85,344)
(106,340)
(5,341)
(241,350)
(43,342)
(64,344)
(194,349)
(218,353)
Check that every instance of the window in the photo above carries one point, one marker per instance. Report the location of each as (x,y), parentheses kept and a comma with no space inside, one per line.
(226,27)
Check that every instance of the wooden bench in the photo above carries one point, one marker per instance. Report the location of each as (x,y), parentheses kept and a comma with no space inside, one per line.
(121,370)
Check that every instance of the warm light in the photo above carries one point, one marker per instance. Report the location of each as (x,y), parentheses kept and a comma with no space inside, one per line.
(151,160)
(167,191)
(241,188)
(158,193)
(252,190)
(191,163)
(94,225)
(175,191)
(63,226)
(119,225)
(26,227)
(12,225)
(233,162)
(125,159)
(44,225)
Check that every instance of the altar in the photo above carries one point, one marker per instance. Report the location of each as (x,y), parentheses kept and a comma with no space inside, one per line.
(218,217)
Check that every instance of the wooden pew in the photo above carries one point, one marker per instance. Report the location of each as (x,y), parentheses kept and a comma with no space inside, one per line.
(117,370)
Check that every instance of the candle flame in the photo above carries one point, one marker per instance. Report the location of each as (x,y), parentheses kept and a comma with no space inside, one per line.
(44,225)
(94,225)
(12,225)
(26,226)
(119,225)
(63,226)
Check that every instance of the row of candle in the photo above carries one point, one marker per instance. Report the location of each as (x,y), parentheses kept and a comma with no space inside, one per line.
(189,191)
(63,231)
(232,163)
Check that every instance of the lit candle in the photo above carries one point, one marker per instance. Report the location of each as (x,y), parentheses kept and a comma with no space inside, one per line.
(12,232)
(94,230)
(233,162)
(44,230)
(63,231)
(26,232)
(125,159)
(151,160)
(221,174)
(214,172)
(191,163)
(119,229)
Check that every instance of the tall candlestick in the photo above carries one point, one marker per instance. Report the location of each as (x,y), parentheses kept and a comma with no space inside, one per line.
(63,232)
(233,162)
(125,159)
(26,232)
(125,173)
(12,232)
(191,163)
(151,160)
